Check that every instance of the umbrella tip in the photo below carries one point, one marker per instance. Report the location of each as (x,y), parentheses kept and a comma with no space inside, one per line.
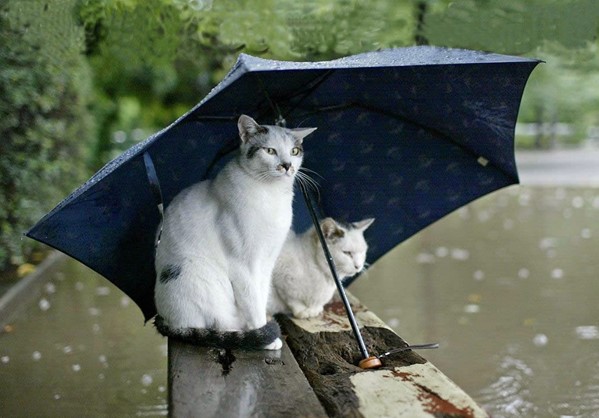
(371,362)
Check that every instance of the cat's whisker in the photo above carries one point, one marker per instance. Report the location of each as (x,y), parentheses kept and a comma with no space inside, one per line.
(311,171)
(308,180)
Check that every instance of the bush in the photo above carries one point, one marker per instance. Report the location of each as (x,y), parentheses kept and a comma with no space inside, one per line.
(45,124)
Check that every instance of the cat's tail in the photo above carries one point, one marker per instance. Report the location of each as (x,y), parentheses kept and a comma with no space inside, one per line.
(252,339)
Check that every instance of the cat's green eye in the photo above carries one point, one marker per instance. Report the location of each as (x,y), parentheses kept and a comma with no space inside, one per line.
(295,151)
(271,151)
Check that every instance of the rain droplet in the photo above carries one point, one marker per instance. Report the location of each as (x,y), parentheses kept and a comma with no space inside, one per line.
(102,358)
(50,288)
(146,380)
(119,137)
(94,311)
(524,273)
(524,200)
(478,275)
(508,224)
(441,252)
(484,216)
(472,308)
(44,304)
(567,213)
(36,356)
(557,273)
(96,328)
(596,202)
(125,301)
(586,233)
(577,202)
(79,286)
(587,332)
(4,359)
(464,213)
(57,396)
(67,349)
(161,389)
(101,376)
(425,258)
(102,291)
(540,340)
(548,242)
(460,254)
(76,367)
(393,322)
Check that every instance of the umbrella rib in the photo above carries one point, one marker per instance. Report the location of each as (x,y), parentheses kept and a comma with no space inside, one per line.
(311,87)
(405,119)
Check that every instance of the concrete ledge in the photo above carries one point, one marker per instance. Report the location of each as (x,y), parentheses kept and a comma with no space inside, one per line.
(210,382)
(314,375)
(406,386)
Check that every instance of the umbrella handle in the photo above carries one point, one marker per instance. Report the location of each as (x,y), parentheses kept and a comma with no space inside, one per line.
(367,362)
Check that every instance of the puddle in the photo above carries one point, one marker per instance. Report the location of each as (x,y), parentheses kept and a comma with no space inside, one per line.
(517,318)
(79,350)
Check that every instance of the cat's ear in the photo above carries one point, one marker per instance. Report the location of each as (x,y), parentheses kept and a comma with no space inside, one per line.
(248,127)
(363,224)
(330,229)
(301,133)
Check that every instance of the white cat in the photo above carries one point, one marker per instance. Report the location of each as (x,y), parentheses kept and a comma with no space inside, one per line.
(302,282)
(220,241)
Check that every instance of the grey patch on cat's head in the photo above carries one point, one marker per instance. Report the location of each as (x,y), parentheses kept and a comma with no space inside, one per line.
(170,272)
(331,229)
(252,151)
(248,128)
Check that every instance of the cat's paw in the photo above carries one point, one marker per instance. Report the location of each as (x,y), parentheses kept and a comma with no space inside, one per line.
(275,345)
(308,313)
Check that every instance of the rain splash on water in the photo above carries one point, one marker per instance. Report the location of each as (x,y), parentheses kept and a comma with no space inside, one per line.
(508,286)
(81,350)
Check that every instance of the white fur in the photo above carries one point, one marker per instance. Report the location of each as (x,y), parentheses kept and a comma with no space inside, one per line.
(226,235)
(302,281)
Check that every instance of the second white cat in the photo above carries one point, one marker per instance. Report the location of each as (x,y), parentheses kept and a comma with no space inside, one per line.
(302,283)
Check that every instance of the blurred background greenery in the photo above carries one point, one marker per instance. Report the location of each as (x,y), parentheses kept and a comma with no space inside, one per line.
(82,80)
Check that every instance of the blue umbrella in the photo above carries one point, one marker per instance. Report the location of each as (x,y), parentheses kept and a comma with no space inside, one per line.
(404,136)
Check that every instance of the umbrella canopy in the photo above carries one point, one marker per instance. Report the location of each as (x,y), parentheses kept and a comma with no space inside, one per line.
(404,136)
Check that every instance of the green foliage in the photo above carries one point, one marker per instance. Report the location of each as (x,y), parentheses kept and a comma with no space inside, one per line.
(512,26)
(44,122)
(151,60)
